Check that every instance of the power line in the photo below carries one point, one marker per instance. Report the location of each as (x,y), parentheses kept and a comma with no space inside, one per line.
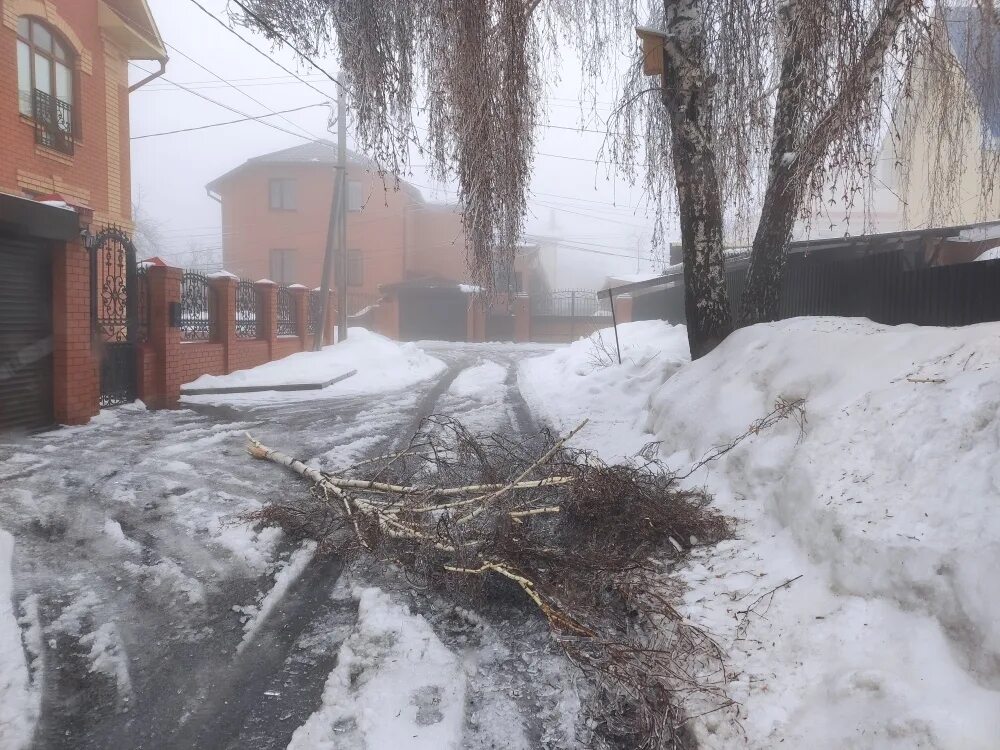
(226,106)
(263,54)
(227,122)
(239,90)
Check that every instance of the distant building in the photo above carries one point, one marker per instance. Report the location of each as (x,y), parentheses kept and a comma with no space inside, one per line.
(276,212)
(903,194)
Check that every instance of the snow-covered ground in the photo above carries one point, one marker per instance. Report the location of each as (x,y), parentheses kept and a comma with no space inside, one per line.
(880,510)
(381,365)
(584,381)
(139,608)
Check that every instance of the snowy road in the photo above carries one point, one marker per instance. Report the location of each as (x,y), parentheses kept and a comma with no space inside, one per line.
(155,618)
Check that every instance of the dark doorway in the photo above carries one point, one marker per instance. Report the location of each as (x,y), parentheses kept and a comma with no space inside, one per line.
(25,335)
(433,314)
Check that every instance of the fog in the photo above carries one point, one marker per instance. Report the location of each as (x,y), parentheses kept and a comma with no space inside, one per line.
(600,222)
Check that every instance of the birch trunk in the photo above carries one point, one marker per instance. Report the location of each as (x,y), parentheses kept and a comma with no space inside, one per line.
(687,97)
(795,155)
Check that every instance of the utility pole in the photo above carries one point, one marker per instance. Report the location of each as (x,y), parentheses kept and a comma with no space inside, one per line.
(342,244)
(336,232)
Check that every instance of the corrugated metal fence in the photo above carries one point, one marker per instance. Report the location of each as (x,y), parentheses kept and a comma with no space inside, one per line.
(885,287)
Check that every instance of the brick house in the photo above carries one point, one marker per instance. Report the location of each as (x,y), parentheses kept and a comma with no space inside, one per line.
(64,140)
(406,251)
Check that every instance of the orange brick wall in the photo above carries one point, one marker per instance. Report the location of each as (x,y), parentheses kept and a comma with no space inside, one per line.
(76,386)
(439,248)
(200,358)
(89,177)
(250,353)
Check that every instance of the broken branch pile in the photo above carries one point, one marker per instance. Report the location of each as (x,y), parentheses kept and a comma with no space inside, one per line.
(587,543)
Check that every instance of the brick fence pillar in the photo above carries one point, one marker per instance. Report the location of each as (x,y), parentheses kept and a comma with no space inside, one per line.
(224,320)
(164,290)
(386,318)
(267,293)
(623,308)
(75,369)
(475,321)
(522,318)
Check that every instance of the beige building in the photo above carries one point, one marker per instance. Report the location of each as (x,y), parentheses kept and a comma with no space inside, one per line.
(925,178)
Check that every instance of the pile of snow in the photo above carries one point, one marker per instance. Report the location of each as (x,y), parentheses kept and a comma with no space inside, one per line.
(585,381)
(395,685)
(19,696)
(382,365)
(884,502)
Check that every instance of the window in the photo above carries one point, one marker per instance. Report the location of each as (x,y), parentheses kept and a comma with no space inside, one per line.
(355,198)
(282,193)
(355,268)
(283,266)
(46,83)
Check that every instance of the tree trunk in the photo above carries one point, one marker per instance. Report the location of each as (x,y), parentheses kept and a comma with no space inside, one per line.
(687,96)
(762,293)
(796,154)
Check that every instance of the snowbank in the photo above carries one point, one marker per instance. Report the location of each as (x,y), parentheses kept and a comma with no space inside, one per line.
(19,698)
(395,685)
(884,503)
(382,365)
(585,381)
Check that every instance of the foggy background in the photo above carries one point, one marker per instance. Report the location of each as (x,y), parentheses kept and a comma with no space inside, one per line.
(602,224)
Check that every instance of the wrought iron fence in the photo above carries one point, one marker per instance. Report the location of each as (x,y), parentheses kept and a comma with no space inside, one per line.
(247,310)
(315,312)
(197,308)
(53,122)
(570,303)
(288,314)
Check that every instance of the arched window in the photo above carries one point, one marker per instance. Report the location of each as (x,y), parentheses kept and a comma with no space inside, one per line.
(45,83)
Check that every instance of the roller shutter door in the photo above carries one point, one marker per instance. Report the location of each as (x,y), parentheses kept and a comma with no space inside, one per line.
(25,335)
(432,314)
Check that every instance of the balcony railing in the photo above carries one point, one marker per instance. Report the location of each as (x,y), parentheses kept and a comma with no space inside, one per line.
(53,122)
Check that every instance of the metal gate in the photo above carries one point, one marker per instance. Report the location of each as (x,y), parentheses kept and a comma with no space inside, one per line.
(433,314)
(25,335)
(114,310)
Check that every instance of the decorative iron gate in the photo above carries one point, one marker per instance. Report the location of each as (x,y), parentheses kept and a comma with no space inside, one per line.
(114,310)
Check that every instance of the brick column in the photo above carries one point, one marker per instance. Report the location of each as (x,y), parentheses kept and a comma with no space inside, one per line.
(75,367)
(224,320)
(300,298)
(267,293)
(522,318)
(386,319)
(475,321)
(164,289)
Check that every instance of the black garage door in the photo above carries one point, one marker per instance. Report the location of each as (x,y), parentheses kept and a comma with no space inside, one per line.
(432,314)
(25,335)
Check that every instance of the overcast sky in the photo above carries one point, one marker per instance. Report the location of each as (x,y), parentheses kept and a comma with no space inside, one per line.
(572,195)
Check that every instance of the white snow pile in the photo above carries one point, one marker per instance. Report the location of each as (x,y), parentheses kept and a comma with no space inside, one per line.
(395,685)
(382,365)
(481,382)
(585,381)
(885,503)
(20,698)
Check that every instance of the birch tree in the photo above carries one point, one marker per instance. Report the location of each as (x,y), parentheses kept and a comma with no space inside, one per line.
(762,105)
